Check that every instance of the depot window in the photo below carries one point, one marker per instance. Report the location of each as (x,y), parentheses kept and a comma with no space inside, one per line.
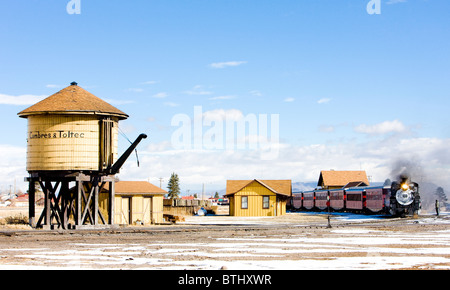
(244,202)
(266,202)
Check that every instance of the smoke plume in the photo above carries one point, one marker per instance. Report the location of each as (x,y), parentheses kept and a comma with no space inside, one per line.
(407,168)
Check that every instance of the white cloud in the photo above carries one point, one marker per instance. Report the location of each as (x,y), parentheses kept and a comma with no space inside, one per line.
(198,91)
(171,104)
(381,128)
(227,64)
(223,98)
(256,93)
(13,167)
(221,114)
(327,129)
(299,163)
(161,95)
(324,101)
(20,100)
(289,100)
(136,90)
(149,82)
(51,86)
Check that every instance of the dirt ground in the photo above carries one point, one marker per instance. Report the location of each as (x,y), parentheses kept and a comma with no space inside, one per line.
(293,241)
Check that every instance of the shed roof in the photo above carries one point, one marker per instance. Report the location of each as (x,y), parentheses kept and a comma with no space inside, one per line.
(341,178)
(136,187)
(73,99)
(282,187)
(356,184)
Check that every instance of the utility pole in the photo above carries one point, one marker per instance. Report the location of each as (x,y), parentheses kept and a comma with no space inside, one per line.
(203,191)
(328,206)
(160,182)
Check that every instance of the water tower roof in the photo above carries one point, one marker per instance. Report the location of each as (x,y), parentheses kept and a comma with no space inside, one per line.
(73,100)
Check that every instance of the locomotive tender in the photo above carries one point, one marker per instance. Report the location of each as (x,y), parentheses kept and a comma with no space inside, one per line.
(400,199)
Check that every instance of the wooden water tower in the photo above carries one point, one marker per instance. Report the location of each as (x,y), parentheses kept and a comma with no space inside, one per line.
(72,152)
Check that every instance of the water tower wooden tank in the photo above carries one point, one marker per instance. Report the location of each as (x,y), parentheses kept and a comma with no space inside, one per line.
(73,138)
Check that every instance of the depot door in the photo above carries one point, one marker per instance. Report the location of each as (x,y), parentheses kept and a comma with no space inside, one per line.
(126,211)
(147,215)
(278,207)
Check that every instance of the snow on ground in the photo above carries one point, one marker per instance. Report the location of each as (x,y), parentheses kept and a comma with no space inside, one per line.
(369,250)
(341,247)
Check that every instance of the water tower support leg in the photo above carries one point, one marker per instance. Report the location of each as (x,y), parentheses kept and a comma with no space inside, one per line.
(89,189)
(52,203)
(111,202)
(95,201)
(78,203)
(64,195)
(31,202)
(47,209)
(87,213)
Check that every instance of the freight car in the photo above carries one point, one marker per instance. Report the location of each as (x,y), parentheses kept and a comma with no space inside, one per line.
(400,199)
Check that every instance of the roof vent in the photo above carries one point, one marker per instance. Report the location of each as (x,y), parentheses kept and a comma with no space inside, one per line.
(74,84)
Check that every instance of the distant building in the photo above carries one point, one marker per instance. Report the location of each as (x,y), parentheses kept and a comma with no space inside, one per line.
(190,197)
(337,179)
(20,201)
(258,197)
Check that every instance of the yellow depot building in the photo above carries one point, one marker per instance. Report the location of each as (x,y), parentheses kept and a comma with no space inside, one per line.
(258,197)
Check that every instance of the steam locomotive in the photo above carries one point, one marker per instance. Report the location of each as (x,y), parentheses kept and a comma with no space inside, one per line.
(405,198)
(400,199)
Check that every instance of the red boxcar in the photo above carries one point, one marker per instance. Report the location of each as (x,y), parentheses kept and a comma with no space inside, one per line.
(375,198)
(337,201)
(355,199)
(308,200)
(297,200)
(322,199)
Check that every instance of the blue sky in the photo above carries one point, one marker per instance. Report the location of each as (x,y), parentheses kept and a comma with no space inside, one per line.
(352,90)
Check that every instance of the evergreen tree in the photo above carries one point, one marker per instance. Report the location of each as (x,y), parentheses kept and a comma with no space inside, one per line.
(173,186)
(216,195)
(440,194)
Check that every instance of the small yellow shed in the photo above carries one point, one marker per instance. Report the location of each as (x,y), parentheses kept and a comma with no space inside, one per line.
(138,203)
(258,197)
